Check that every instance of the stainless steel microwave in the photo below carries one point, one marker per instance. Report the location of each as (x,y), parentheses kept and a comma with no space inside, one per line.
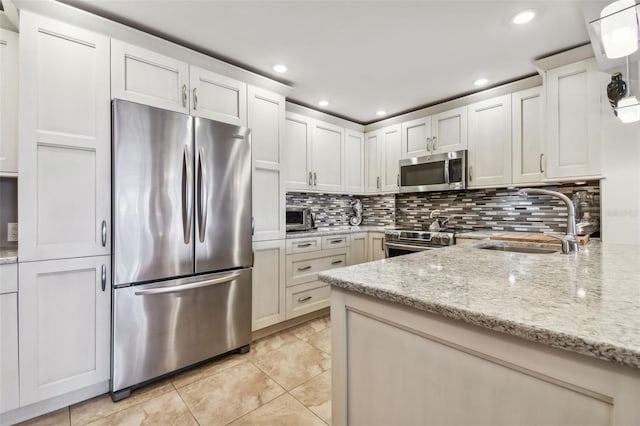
(440,172)
(299,219)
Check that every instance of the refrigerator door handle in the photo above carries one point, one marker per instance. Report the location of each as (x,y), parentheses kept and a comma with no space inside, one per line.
(184,287)
(203,201)
(187,195)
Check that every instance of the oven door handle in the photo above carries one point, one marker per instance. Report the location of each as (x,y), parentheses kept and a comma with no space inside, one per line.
(405,247)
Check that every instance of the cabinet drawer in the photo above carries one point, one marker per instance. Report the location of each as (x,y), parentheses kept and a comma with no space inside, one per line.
(8,278)
(303,245)
(302,268)
(335,241)
(305,298)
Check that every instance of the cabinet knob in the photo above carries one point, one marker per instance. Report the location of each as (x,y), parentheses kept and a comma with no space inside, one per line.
(310,179)
(103,277)
(104,233)
(428,144)
(541,170)
(435,143)
(184,95)
(315,179)
(195,98)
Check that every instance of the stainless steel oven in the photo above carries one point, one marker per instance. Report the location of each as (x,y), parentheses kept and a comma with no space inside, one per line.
(441,172)
(400,242)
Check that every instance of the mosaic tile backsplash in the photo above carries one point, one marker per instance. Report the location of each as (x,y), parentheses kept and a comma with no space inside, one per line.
(473,209)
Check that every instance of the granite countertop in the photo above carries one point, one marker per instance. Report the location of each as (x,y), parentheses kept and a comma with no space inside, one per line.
(8,255)
(587,303)
(337,230)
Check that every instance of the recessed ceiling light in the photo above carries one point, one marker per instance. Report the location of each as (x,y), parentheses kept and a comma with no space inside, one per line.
(524,17)
(481,82)
(323,103)
(280,68)
(380,113)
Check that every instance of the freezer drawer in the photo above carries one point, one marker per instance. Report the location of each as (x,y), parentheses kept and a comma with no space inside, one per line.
(162,327)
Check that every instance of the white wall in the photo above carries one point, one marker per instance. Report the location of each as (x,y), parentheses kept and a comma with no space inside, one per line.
(620,191)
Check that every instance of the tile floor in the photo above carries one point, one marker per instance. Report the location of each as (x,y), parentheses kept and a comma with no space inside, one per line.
(284,380)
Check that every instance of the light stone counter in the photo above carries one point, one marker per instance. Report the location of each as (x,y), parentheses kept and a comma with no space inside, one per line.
(587,303)
(8,256)
(337,230)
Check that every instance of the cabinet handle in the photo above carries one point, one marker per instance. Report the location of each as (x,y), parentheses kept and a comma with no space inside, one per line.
(310,179)
(104,233)
(103,277)
(304,268)
(253,225)
(336,241)
(382,244)
(336,262)
(304,245)
(184,95)
(195,98)
(541,170)
(428,144)
(304,299)
(470,173)
(378,182)
(435,143)
(315,179)
(398,180)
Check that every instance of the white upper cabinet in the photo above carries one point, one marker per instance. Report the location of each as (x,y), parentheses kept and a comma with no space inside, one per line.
(527,135)
(416,137)
(266,120)
(328,157)
(8,102)
(217,97)
(315,153)
(299,175)
(391,140)
(372,161)
(142,76)
(490,142)
(354,161)
(449,131)
(573,120)
(64,326)
(65,141)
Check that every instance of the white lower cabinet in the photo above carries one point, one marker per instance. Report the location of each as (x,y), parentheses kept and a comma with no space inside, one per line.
(376,246)
(64,325)
(9,387)
(268,296)
(305,298)
(358,248)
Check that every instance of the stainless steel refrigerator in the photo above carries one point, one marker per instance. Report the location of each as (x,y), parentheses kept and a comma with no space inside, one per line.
(182,252)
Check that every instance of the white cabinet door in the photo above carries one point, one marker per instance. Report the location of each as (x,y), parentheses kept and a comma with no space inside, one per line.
(217,97)
(391,140)
(573,120)
(416,137)
(449,130)
(266,120)
(8,102)
(527,135)
(376,246)
(65,141)
(9,387)
(269,284)
(328,157)
(372,162)
(64,326)
(298,152)
(358,248)
(142,76)
(354,161)
(490,142)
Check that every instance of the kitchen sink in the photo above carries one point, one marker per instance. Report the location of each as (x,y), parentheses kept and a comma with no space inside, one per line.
(517,249)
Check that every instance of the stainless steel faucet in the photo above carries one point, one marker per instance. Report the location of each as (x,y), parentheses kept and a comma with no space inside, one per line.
(570,240)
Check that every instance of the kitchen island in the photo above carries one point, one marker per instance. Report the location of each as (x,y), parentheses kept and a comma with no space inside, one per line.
(463,335)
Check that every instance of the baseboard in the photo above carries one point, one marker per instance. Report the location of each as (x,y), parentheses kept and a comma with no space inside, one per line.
(281,326)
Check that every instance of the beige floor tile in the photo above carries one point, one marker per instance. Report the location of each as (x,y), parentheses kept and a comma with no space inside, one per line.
(209,369)
(103,406)
(55,418)
(321,340)
(271,343)
(294,364)
(312,327)
(282,411)
(316,395)
(167,409)
(229,394)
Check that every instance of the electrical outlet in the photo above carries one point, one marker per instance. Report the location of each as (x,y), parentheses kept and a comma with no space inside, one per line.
(12,232)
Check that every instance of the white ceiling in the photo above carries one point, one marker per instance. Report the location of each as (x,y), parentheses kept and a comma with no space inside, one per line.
(363,56)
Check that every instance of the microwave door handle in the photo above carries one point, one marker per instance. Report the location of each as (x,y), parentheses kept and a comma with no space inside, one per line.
(446,172)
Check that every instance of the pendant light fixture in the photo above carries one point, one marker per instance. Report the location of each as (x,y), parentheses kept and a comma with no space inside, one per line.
(628,107)
(619,28)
